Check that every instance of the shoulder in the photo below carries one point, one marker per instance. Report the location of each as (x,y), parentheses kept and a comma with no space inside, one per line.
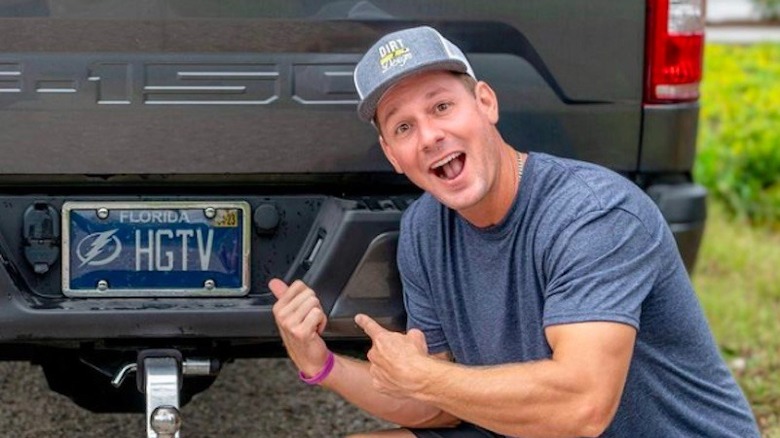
(577,210)
(421,231)
(420,222)
(583,178)
(571,189)
(422,215)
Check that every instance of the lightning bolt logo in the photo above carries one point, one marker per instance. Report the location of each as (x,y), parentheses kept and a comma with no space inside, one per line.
(97,242)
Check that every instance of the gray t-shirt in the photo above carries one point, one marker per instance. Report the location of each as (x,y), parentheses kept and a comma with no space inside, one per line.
(580,243)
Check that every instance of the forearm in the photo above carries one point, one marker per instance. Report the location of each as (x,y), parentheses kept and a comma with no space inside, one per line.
(543,399)
(350,378)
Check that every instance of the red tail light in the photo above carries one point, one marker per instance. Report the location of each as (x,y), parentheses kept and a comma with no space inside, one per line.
(675,41)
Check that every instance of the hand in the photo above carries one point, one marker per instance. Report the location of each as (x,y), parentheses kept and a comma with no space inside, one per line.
(398,360)
(301,321)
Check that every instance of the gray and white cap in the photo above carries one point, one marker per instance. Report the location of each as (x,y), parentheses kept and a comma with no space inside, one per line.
(398,55)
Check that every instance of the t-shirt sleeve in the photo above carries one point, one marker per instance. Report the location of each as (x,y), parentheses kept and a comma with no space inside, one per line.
(420,309)
(601,267)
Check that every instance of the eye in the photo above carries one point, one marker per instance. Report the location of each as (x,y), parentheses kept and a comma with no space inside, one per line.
(402,128)
(443,106)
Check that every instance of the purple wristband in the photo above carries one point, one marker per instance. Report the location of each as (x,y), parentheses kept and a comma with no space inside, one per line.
(323,374)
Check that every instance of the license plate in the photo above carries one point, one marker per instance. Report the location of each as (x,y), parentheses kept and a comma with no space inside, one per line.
(155,249)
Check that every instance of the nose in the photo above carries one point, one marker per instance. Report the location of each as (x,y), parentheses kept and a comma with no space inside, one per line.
(431,135)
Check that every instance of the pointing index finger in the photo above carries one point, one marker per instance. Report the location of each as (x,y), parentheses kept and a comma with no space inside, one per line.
(371,327)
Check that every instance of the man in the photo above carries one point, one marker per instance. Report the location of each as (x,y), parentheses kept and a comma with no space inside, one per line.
(545,296)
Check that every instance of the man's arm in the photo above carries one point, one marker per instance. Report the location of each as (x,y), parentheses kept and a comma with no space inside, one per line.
(301,320)
(351,379)
(575,393)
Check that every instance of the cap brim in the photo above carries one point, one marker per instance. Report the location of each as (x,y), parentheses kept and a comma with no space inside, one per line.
(367,107)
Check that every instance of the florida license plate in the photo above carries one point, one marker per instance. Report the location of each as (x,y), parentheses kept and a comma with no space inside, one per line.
(155,249)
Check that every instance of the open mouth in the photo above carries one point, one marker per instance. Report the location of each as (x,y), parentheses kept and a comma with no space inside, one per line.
(449,167)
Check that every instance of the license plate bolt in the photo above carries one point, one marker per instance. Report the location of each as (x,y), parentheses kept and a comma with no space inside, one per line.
(210,212)
(102,285)
(102,213)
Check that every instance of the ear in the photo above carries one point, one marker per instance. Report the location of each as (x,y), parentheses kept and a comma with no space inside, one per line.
(487,101)
(389,154)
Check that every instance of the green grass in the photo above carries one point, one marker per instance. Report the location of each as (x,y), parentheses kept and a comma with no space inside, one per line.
(737,275)
(737,278)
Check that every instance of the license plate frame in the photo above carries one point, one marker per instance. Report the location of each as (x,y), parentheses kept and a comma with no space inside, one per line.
(90,249)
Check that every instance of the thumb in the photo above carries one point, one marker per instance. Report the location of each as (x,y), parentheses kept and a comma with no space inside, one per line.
(371,327)
(278,287)
(418,338)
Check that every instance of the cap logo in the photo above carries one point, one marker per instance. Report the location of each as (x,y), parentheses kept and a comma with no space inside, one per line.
(393,54)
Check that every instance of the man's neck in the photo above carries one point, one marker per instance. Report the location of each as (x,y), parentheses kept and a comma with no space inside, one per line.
(498,201)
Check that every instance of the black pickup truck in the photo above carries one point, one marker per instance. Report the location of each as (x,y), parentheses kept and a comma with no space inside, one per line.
(161,160)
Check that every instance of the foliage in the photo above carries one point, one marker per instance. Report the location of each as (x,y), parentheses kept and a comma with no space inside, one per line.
(736,278)
(768,9)
(739,129)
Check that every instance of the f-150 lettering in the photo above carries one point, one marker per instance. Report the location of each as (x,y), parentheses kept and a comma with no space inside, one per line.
(123,82)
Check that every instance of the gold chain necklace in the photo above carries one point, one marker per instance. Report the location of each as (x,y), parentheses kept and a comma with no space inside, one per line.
(520,166)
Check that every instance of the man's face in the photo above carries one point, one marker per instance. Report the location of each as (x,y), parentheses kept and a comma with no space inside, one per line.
(442,136)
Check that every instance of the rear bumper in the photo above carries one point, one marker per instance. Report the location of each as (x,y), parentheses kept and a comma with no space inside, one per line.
(345,251)
(353,271)
(684,207)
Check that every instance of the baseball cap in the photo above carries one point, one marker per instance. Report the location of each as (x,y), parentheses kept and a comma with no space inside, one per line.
(398,55)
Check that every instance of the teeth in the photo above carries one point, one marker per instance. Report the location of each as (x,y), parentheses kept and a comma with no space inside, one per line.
(445,160)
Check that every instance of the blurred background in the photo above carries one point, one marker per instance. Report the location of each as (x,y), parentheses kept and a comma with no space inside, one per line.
(738,271)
